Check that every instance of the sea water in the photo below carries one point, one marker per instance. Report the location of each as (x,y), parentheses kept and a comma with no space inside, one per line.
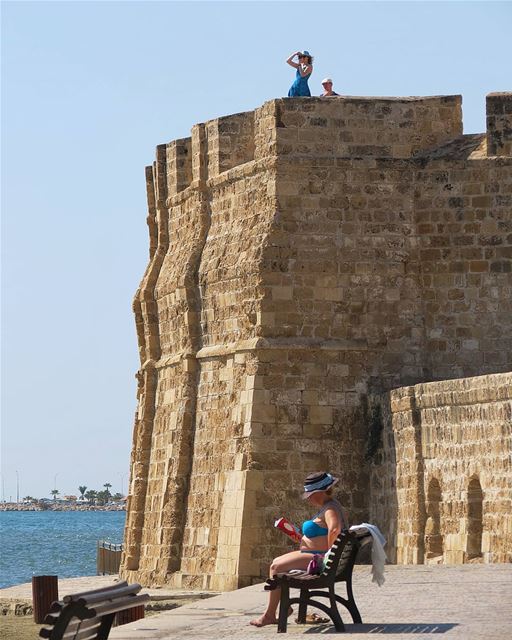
(61,543)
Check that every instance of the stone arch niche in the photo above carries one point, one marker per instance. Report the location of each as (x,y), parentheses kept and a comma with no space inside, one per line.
(433,536)
(475,520)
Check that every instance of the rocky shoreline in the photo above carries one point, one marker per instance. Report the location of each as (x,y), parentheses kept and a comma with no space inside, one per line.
(9,506)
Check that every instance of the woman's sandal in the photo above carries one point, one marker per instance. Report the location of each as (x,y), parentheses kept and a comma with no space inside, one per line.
(314,618)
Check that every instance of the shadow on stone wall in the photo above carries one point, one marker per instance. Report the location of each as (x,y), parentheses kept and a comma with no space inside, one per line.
(381,458)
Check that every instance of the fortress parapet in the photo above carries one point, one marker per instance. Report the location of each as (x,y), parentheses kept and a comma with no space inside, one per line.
(343,127)
(306,258)
(499,124)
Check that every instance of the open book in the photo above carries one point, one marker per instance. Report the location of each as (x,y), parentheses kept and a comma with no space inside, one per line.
(289,528)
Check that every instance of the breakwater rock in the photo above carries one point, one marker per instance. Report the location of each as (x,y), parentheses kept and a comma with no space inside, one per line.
(12,506)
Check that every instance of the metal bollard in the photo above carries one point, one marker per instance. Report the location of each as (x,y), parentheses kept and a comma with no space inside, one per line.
(45,590)
(129,615)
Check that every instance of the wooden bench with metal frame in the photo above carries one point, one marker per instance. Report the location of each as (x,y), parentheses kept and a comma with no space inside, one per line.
(339,565)
(89,615)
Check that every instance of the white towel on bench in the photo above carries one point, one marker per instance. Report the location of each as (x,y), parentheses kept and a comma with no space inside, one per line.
(378,554)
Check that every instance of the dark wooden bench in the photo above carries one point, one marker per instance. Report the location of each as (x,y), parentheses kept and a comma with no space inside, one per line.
(338,568)
(89,615)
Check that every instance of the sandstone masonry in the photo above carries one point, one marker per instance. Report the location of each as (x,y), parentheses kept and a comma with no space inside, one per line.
(306,259)
(442,481)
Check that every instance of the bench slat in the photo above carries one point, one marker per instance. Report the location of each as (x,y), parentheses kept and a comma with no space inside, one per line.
(76,623)
(56,606)
(51,618)
(72,624)
(80,629)
(104,594)
(114,607)
(72,596)
(126,592)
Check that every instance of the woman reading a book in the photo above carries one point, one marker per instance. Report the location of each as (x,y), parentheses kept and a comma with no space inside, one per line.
(318,535)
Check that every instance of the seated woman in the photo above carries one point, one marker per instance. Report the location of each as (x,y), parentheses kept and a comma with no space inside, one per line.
(319,534)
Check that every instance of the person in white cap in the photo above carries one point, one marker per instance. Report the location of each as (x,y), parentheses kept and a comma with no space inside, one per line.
(327,85)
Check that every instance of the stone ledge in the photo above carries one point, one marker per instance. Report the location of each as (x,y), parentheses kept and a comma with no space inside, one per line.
(371,99)
(459,391)
(255,344)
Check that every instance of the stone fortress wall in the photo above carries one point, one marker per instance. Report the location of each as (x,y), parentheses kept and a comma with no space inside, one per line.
(441,484)
(306,259)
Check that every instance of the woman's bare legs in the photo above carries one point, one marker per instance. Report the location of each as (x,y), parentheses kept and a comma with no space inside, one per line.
(282,564)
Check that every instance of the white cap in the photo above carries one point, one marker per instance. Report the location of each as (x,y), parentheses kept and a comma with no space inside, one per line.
(325,80)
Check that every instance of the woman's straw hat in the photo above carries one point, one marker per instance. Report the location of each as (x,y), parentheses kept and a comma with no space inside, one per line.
(318,481)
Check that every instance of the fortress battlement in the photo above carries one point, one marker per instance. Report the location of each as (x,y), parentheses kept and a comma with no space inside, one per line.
(341,127)
(308,260)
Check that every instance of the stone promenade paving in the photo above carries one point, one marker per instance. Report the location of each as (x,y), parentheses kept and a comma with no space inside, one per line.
(23,592)
(466,602)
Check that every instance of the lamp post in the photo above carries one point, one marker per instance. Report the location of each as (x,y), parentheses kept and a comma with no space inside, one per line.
(55,487)
(17,488)
(122,476)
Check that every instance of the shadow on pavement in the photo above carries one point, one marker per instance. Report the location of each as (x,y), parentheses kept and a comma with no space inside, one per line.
(390,627)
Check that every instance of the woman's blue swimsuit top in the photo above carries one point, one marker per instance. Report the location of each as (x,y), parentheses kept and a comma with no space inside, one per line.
(312,529)
(300,86)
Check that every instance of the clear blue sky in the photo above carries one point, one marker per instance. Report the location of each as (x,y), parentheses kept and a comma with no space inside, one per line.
(88,90)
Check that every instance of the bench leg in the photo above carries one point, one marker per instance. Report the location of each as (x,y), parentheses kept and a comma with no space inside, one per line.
(105,626)
(334,613)
(284,605)
(303,607)
(351,606)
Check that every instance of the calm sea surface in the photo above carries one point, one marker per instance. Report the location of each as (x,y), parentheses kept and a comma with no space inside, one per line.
(59,543)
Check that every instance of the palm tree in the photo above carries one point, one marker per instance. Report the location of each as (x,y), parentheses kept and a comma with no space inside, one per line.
(90,496)
(107,486)
(103,497)
(82,488)
(28,499)
(55,493)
